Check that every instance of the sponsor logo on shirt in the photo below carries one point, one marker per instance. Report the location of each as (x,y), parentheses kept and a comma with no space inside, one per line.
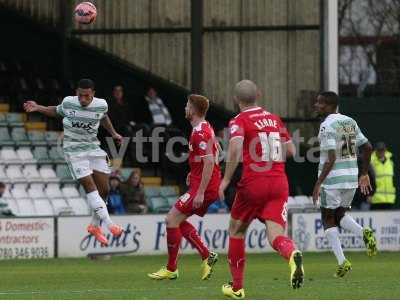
(234,128)
(203,145)
(85,126)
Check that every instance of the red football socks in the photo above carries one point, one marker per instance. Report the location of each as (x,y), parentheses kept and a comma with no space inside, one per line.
(190,233)
(174,238)
(284,246)
(236,258)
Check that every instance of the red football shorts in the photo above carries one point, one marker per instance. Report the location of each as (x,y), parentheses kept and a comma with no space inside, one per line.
(185,202)
(263,198)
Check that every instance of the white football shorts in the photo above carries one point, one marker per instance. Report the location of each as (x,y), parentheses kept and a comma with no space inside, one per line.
(335,198)
(84,166)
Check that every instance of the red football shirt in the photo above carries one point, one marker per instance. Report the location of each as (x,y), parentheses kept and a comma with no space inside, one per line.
(203,143)
(263,135)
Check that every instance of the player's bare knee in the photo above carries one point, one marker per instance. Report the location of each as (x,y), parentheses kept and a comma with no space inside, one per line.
(103,192)
(170,221)
(234,232)
(339,214)
(329,224)
(271,239)
(88,184)
(274,230)
(328,218)
(237,229)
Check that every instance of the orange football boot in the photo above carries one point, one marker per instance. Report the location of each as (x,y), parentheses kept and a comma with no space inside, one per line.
(116,230)
(98,234)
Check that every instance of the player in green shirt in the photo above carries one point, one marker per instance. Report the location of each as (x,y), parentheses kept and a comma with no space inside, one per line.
(339,137)
(82,116)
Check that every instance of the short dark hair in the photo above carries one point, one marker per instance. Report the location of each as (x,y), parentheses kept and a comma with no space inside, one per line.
(380,146)
(200,103)
(86,83)
(330,98)
(2,185)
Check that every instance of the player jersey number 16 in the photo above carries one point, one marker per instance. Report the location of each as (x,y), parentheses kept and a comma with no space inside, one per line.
(271,146)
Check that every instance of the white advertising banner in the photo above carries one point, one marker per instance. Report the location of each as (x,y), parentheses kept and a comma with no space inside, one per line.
(308,232)
(147,235)
(26,238)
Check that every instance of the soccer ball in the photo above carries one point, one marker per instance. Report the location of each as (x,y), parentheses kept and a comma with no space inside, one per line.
(85,13)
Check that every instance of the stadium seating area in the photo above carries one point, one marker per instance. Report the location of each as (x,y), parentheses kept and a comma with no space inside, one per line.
(30,160)
(31,164)
(45,199)
(302,203)
(21,80)
(37,177)
(161,198)
(39,182)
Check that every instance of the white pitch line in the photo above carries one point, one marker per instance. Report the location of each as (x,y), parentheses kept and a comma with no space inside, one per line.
(20,292)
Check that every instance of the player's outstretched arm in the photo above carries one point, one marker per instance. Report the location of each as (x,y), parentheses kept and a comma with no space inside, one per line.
(106,123)
(32,106)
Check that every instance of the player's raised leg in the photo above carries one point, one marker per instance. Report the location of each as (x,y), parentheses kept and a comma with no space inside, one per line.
(236,259)
(274,215)
(208,257)
(347,222)
(287,249)
(98,208)
(95,199)
(101,179)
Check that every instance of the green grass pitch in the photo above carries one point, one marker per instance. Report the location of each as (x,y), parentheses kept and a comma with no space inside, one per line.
(266,278)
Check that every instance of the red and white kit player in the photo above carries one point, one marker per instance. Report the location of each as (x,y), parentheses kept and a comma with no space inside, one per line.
(202,144)
(203,180)
(263,142)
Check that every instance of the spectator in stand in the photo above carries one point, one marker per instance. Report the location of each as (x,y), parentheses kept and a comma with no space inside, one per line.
(218,207)
(120,113)
(4,209)
(385,194)
(159,112)
(115,203)
(133,194)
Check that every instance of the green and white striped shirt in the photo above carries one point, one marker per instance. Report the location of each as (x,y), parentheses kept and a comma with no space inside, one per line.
(341,133)
(81,126)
